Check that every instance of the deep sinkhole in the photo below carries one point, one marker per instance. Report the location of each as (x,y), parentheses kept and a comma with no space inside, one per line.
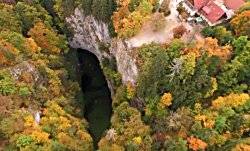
(97,96)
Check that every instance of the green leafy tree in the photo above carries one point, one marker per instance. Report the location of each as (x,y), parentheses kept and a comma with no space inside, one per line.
(235,74)
(178,145)
(7,85)
(191,83)
(133,4)
(23,141)
(158,22)
(219,32)
(24,91)
(164,70)
(220,124)
(131,132)
(56,146)
(28,15)
(9,20)
(152,78)
(239,44)
(145,7)
(15,38)
(174,48)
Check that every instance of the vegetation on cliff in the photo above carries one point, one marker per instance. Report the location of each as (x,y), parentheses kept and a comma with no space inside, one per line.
(37,97)
(187,96)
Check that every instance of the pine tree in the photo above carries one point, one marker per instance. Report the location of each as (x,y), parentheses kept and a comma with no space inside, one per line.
(86,5)
(102,9)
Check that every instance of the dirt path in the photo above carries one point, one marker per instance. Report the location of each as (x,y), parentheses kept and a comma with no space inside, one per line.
(147,35)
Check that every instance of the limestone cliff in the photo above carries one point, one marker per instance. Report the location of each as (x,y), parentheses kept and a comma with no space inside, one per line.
(88,33)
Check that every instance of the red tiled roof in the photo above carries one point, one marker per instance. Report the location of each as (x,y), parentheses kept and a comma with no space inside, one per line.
(215,12)
(206,9)
(234,4)
(200,3)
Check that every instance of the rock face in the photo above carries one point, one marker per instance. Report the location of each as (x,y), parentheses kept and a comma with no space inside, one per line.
(18,70)
(90,33)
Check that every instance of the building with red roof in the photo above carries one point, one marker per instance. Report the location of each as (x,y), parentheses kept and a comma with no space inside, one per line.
(234,4)
(213,11)
(200,3)
(192,6)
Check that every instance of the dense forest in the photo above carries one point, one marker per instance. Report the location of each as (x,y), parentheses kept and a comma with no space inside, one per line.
(187,96)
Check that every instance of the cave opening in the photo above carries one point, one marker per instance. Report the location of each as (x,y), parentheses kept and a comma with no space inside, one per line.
(97,96)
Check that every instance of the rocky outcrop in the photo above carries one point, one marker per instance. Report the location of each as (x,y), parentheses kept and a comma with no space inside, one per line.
(126,64)
(18,70)
(90,33)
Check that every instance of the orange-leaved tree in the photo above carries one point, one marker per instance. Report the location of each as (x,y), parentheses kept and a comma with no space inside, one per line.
(241,23)
(211,46)
(48,39)
(196,144)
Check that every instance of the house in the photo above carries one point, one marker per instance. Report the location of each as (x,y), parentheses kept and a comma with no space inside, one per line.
(234,4)
(192,6)
(213,11)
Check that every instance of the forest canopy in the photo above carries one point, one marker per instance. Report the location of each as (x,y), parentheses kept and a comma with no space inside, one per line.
(191,95)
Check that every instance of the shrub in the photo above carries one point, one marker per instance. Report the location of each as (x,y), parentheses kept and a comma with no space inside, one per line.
(24,91)
(158,22)
(56,146)
(180,9)
(167,12)
(179,31)
(103,47)
(219,32)
(220,124)
(164,5)
(120,96)
(7,87)
(178,145)
(24,140)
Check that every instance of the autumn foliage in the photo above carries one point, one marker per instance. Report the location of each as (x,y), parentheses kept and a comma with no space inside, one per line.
(31,75)
(232,100)
(47,39)
(212,47)
(166,101)
(128,24)
(8,53)
(241,23)
(179,31)
(196,144)
(187,95)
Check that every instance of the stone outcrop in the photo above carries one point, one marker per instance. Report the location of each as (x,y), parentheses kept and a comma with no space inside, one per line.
(90,33)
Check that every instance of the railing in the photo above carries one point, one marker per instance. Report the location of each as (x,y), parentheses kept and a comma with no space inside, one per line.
(189,5)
